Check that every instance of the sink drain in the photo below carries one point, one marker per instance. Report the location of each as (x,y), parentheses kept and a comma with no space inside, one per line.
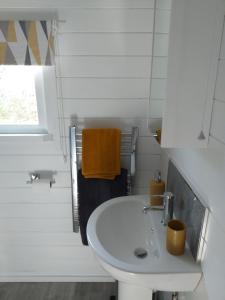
(140,253)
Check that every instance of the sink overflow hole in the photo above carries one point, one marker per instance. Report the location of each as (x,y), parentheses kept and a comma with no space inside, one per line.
(140,253)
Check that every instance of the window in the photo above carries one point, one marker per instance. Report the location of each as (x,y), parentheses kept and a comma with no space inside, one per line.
(22,103)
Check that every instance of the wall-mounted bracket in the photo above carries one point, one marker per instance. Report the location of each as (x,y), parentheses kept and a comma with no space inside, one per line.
(42,176)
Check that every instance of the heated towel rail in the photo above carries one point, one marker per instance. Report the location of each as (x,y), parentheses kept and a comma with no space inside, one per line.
(128,155)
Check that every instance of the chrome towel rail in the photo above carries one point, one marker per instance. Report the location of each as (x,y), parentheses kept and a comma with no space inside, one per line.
(128,149)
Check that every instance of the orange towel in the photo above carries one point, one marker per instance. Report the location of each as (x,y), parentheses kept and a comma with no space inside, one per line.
(101,152)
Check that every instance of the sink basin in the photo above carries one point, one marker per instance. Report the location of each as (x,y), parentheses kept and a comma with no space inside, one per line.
(130,245)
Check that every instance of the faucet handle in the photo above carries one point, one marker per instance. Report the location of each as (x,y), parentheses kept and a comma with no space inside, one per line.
(149,207)
(168,195)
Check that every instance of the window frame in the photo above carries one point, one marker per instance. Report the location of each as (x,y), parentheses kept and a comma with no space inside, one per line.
(40,128)
(36,143)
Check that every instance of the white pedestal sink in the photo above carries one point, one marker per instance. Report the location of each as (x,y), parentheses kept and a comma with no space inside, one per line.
(130,245)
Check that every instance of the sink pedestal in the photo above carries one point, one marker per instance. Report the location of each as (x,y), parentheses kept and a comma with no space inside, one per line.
(133,292)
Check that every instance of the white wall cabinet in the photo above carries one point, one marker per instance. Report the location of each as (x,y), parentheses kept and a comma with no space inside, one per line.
(194,46)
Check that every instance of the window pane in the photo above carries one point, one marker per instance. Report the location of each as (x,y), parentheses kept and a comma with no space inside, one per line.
(18,103)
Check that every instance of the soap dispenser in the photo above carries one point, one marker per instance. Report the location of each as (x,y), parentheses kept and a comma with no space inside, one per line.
(157,187)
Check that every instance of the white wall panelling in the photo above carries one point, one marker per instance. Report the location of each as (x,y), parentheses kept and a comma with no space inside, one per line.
(125,4)
(29,195)
(41,239)
(104,88)
(156,108)
(36,210)
(112,44)
(112,66)
(148,145)
(113,20)
(122,108)
(20,146)
(105,58)
(105,20)
(17,226)
(9,163)
(158,89)
(160,67)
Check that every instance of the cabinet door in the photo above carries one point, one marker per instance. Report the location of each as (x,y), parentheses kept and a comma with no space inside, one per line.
(194,43)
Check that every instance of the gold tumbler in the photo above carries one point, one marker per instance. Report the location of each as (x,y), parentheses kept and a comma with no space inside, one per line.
(175,238)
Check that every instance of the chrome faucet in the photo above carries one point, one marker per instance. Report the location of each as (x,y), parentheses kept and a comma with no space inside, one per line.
(167,207)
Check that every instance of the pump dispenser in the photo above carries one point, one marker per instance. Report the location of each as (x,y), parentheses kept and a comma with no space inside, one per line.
(157,187)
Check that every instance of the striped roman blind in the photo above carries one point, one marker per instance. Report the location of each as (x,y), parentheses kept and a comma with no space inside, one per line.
(26,42)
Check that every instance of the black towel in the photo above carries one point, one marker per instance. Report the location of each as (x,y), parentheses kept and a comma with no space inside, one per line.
(93,192)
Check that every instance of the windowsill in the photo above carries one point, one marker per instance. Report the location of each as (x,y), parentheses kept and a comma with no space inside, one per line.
(27,136)
(23,134)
